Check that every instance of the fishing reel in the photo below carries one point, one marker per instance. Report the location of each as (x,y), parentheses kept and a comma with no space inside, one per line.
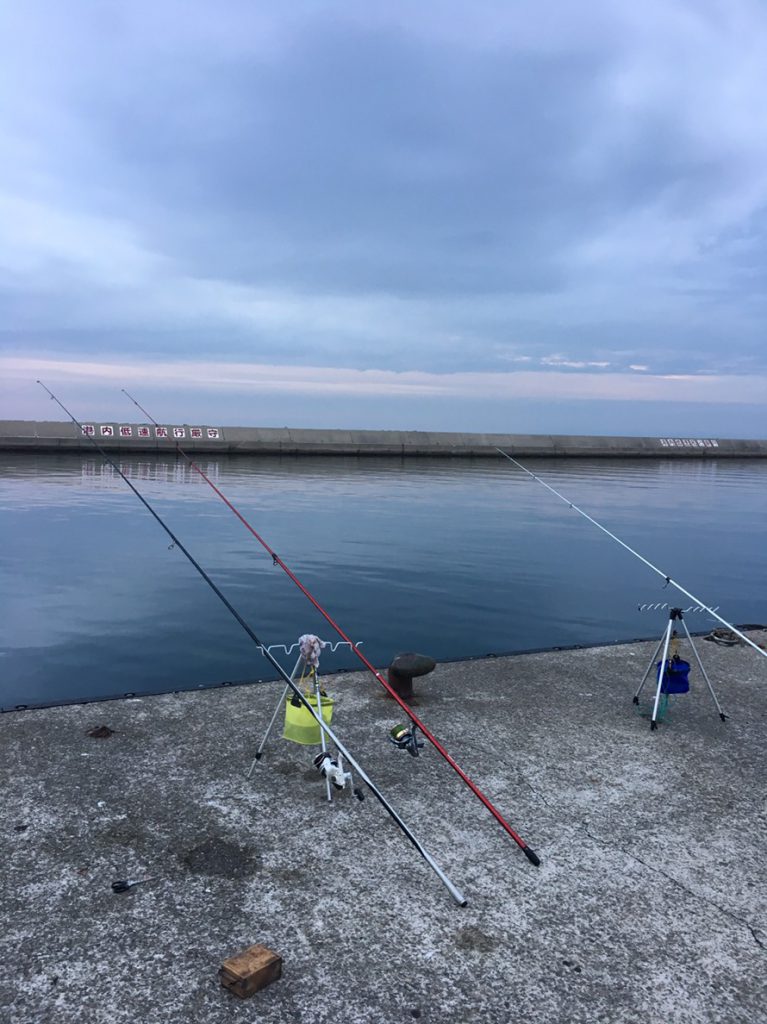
(406,739)
(330,769)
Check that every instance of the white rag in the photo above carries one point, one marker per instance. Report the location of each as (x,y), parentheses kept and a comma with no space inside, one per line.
(310,646)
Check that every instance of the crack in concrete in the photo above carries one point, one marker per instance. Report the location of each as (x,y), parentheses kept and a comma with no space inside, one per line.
(655,869)
(584,827)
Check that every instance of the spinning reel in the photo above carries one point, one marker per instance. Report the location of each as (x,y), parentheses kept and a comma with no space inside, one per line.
(332,769)
(406,738)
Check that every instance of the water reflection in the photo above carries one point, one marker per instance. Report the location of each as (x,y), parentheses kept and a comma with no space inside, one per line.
(455,558)
(175,472)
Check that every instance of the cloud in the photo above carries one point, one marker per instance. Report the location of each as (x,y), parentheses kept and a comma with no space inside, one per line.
(575,364)
(389,188)
(41,238)
(324,382)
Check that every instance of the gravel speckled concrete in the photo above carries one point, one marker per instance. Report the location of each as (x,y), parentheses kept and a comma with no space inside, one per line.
(649,904)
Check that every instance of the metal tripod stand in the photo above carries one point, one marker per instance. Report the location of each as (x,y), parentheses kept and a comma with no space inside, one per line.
(669,636)
(331,768)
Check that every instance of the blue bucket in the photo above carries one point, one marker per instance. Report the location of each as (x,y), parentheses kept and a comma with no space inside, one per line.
(675,678)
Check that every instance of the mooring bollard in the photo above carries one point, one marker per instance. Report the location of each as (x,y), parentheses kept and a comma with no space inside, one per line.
(404,669)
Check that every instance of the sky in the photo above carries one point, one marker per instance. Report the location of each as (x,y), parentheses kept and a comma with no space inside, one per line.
(491,216)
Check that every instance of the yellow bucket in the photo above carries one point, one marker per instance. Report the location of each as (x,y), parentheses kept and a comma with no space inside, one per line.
(300,727)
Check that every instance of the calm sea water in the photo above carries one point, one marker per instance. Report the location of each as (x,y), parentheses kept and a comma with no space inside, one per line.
(452,558)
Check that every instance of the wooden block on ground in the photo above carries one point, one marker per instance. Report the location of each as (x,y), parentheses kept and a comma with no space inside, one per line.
(253,969)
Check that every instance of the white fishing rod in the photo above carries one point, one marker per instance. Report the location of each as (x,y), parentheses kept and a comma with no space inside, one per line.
(666,577)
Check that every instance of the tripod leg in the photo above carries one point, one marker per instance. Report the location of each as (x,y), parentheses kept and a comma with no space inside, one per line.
(322,733)
(703,673)
(644,677)
(661,674)
(269,728)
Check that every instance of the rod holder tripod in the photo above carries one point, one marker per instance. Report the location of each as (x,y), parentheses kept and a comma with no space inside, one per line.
(331,767)
(669,636)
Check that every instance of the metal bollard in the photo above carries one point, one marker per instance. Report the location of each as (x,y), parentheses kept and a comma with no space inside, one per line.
(404,669)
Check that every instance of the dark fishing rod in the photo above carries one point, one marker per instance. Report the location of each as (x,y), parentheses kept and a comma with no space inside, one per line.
(454,892)
(660,572)
(531,855)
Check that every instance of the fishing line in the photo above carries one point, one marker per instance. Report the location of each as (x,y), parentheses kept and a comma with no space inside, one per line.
(531,855)
(664,575)
(454,892)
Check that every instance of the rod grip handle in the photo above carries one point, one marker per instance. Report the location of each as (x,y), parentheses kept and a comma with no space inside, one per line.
(531,855)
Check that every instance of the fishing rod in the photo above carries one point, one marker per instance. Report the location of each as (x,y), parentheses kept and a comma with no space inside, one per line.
(531,855)
(454,892)
(665,576)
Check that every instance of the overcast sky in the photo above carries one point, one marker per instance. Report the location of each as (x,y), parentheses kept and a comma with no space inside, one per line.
(524,216)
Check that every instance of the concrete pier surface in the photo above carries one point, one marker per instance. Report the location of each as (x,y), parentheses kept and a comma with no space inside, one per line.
(649,906)
(115,437)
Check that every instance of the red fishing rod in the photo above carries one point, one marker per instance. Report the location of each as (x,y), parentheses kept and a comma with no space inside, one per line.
(531,855)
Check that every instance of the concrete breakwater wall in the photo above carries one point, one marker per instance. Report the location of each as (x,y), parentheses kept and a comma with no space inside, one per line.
(35,436)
